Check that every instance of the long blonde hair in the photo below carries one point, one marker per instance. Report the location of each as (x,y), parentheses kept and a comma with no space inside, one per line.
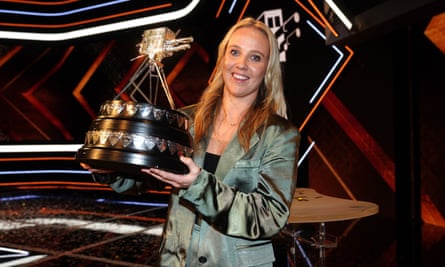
(270,99)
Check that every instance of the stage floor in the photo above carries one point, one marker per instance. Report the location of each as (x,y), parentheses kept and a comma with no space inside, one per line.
(63,227)
(75,228)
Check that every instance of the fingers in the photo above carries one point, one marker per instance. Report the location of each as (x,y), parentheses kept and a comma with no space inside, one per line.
(174,179)
(186,160)
(85,166)
(94,170)
(166,177)
(159,173)
(193,168)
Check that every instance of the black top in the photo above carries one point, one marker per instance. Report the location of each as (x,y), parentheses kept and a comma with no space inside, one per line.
(211,162)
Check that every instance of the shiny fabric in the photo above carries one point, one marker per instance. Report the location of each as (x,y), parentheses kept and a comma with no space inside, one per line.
(240,207)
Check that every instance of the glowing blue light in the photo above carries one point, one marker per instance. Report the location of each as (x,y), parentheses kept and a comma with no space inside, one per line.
(100,29)
(305,153)
(19,198)
(101,200)
(19,172)
(39,148)
(331,71)
(136,203)
(232,6)
(65,13)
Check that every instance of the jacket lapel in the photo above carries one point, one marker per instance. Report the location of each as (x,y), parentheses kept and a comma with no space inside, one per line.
(233,153)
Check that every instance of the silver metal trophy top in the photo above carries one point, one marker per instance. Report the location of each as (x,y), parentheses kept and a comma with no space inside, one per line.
(156,45)
(162,42)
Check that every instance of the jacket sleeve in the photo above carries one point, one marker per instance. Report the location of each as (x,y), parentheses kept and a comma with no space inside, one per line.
(128,186)
(263,211)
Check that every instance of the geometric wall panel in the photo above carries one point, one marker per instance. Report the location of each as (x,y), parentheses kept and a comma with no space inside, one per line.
(50,90)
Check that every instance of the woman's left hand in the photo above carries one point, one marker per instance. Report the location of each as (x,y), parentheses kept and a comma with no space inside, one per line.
(174,179)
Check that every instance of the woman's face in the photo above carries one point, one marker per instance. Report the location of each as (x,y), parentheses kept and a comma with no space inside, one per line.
(245,63)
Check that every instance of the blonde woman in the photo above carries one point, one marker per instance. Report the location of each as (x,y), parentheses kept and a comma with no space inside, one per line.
(243,173)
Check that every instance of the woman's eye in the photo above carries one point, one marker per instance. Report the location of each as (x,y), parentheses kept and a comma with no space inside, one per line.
(256,58)
(234,52)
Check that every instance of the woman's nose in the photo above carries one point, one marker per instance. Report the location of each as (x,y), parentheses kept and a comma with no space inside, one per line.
(241,62)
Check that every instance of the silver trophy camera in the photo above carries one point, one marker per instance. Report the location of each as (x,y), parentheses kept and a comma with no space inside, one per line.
(129,135)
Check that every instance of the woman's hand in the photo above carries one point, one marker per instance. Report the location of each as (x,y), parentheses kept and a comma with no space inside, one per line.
(174,179)
(93,170)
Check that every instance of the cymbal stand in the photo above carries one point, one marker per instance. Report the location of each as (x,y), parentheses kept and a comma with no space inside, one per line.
(322,243)
(296,243)
(321,240)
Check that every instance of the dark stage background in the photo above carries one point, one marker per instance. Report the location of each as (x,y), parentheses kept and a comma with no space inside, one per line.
(375,128)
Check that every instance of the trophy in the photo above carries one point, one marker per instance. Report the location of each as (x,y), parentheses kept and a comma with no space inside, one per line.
(130,135)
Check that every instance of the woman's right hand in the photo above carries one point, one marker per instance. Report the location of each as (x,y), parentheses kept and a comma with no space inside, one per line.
(101,176)
(94,170)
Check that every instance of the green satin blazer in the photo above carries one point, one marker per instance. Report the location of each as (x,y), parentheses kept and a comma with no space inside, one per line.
(228,218)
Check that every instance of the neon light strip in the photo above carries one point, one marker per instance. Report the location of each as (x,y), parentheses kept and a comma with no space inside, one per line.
(331,71)
(232,6)
(101,200)
(24,259)
(83,224)
(340,14)
(123,25)
(19,198)
(305,153)
(42,3)
(136,203)
(43,172)
(74,11)
(39,148)
(14,253)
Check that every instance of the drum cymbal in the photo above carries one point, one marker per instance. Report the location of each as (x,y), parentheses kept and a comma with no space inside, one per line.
(309,206)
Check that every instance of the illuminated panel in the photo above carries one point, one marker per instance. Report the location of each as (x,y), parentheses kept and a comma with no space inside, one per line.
(332,72)
(302,50)
(310,66)
(76,19)
(381,162)
(39,148)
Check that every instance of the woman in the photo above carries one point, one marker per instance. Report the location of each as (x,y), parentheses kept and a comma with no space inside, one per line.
(237,194)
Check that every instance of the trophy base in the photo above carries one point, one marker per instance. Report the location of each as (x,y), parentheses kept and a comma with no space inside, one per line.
(127,162)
